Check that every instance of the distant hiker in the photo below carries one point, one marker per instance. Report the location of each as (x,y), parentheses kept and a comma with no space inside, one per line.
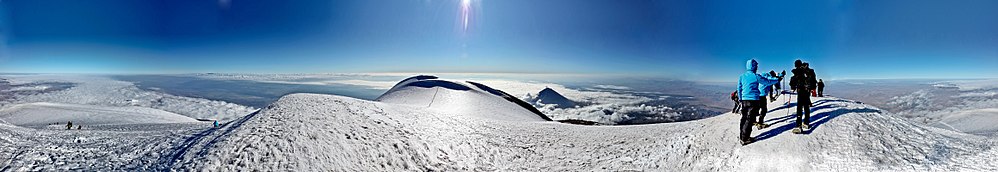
(775,88)
(800,83)
(768,90)
(748,92)
(215,124)
(821,88)
(79,127)
(69,125)
(734,97)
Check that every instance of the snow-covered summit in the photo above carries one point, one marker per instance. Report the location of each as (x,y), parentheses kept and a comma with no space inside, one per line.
(326,132)
(460,98)
(548,96)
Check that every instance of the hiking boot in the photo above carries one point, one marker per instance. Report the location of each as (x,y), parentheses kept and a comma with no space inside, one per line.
(806,127)
(797,130)
(746,142)
(760,126)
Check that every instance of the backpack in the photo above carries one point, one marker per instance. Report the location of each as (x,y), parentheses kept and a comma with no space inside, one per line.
(800,79)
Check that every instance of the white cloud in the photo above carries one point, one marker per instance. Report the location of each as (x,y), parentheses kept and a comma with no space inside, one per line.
(979,94)
(382,85)
(598,106)
(356,79)
(522,88)
(615,87)
(28,88)
(969,85)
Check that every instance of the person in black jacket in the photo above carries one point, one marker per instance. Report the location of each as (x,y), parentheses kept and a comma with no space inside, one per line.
(800,83)
(821,88)
(734,97)
(811,80)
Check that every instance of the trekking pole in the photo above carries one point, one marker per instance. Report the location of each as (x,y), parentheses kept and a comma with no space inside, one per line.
(783,90)
(788,95)
(788,105)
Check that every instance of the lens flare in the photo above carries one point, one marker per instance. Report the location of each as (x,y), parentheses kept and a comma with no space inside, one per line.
(465,15)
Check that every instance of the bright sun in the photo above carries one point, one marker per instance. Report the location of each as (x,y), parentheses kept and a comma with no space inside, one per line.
(465,14)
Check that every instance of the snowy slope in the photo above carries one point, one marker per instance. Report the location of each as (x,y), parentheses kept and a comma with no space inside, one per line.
(973,121)
(40,114)
(313,132)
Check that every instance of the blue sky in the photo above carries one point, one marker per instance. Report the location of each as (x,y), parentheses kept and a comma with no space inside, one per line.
(694,40)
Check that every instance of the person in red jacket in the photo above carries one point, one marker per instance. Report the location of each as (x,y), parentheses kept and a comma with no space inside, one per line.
(734,97)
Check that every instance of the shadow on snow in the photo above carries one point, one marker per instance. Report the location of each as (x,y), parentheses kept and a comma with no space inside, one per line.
(817,119)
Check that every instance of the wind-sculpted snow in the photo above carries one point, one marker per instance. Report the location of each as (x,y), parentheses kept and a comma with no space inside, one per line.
(309,132)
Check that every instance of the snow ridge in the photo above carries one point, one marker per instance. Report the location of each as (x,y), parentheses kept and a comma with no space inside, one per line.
(460,98)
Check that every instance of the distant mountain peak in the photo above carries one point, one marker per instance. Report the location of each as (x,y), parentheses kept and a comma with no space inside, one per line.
(550,96)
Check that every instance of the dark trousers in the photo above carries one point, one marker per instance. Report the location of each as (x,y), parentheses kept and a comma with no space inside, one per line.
(821,92)
(750,108)
(803,108)
(735,110)
(763,108)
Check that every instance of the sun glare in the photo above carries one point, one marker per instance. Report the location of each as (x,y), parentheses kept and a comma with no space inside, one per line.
(465,14)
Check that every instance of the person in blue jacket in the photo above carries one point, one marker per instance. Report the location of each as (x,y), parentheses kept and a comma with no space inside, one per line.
(748,91)
(764,92)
